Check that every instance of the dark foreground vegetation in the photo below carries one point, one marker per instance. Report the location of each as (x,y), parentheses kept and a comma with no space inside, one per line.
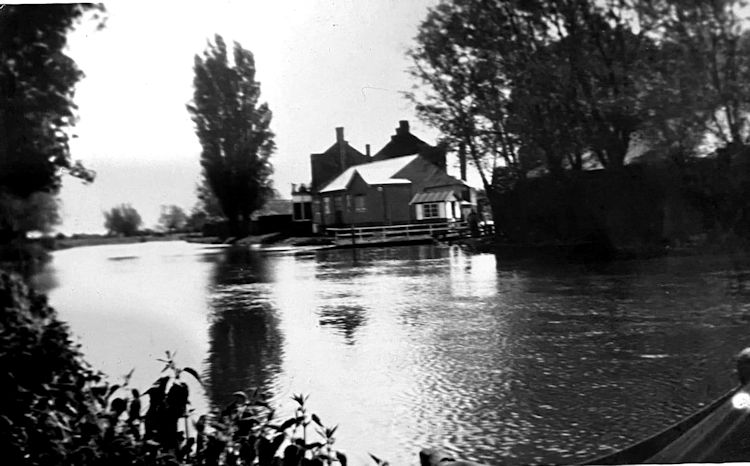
(57,410)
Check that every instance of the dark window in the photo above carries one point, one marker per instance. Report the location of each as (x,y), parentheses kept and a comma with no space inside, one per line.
(430,210)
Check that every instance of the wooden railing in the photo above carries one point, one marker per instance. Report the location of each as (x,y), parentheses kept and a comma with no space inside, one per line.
(385,232)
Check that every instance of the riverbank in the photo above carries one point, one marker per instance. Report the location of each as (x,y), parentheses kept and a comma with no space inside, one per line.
(77,241)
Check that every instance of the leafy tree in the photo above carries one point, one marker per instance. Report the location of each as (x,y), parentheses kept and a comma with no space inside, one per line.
(172,218)
(462,96)
(122,220)
(233,128)
(37,112)
(37,83)
(561,76)
(707,69)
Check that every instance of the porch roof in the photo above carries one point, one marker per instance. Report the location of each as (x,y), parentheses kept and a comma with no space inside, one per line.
(433,196)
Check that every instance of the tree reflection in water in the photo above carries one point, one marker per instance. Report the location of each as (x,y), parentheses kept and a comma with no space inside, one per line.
(245,342)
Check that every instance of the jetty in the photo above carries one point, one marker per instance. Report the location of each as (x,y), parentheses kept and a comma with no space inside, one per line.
(394,235)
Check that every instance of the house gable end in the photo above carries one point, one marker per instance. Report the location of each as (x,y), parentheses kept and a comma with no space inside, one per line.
(357,184)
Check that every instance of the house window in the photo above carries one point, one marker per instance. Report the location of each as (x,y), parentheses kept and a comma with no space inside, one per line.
(348,202)
(359,203)
(327,205)
(338,203)
(302,211)
(430,210)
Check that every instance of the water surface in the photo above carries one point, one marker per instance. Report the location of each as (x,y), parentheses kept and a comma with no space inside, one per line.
(422,346)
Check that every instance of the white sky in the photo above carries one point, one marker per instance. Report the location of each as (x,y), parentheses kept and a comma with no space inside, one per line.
(321,64)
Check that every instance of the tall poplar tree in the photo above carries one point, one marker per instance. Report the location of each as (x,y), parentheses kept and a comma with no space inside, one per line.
(233,129)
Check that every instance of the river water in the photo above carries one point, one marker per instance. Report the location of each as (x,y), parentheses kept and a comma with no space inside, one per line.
(421,346)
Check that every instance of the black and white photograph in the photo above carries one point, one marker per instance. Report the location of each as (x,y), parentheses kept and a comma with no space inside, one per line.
(375,232)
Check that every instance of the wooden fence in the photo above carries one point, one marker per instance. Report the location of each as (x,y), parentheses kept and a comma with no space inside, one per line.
(389,232)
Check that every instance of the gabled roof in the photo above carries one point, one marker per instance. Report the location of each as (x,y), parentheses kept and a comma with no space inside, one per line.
(402,143)
(374,173)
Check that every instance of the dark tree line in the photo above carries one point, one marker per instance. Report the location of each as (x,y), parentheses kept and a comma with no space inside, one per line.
(564,83)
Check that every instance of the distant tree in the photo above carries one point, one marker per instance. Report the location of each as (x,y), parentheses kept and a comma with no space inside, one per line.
(233,129)
(122,220)
(172,218)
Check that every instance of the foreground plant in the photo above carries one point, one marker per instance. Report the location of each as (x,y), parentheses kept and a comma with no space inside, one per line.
(59,411)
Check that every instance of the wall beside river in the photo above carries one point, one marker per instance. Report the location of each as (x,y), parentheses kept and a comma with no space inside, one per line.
(640,208)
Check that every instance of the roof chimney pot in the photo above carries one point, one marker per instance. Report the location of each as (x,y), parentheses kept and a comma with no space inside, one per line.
(367,149)
(340,134)
(403,126)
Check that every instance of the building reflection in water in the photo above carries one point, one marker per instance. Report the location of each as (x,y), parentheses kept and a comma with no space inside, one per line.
(245,343)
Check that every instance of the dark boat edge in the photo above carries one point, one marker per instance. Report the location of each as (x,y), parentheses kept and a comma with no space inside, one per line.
(704,436)
(641,451)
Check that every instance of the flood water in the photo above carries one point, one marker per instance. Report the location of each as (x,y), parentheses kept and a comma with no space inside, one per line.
(421,346)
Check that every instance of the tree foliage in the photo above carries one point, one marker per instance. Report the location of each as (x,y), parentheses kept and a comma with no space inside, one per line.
(705,68)
(233,128)
(570,81)
(37,84)
(122,220)
(172,218)
(560,78)
(37,212)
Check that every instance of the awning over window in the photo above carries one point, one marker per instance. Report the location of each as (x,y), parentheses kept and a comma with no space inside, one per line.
(433,196)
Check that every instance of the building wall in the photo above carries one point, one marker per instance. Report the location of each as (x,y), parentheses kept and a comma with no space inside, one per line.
(374,206)
(424,176)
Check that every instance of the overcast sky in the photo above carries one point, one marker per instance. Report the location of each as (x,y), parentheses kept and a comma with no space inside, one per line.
(321,64)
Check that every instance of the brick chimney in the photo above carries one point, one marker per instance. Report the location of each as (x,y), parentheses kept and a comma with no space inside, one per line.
(403,127)
(367,150)
(342,148)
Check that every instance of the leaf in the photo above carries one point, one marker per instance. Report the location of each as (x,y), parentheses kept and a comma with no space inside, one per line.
(342,458)
(288,423)
(316,420)
(193,372)
(262,403)
(112,390)
(314,445)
